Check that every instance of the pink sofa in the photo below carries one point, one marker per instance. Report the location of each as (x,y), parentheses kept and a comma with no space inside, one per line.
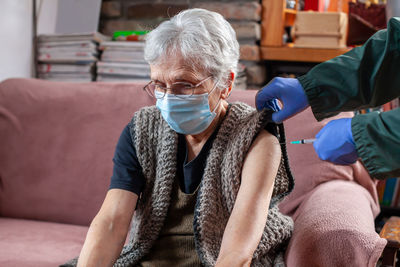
(56,146)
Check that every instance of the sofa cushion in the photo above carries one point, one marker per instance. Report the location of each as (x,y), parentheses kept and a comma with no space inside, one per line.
(57,142)
(33,243)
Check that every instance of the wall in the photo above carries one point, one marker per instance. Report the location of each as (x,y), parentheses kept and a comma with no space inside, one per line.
(15,38)
(54,16)
(77,16)
(46,16)
(244,16)
(67,16)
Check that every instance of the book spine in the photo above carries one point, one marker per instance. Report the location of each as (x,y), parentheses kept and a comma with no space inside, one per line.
(395,103)
(381,190)
(396,193)
(389,190)
(387,106)
(311,5)
(44,68)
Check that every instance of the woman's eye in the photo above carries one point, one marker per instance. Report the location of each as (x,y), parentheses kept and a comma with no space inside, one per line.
(181,86)
(158,86)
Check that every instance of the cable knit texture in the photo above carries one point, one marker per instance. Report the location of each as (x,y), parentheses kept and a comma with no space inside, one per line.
(156,145)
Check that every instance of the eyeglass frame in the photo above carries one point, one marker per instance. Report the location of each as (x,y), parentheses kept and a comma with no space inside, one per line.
(165,89)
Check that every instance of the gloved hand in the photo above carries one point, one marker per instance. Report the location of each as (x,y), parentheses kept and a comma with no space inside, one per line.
(289,91)
(272,104)
(335,142)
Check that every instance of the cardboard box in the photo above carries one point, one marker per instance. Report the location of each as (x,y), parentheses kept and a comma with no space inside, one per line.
(320,29)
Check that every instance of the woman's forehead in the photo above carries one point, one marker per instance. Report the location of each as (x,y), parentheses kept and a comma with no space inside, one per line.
(174,71)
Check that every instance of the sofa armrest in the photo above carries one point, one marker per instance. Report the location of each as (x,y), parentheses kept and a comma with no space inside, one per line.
(391,232)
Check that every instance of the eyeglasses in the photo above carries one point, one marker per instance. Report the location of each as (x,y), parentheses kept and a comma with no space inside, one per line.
(179,89)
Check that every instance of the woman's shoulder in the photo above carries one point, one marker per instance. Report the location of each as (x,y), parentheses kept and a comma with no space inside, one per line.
(144,112)
(242,108)
(240,112)
(148,110)
(244,115)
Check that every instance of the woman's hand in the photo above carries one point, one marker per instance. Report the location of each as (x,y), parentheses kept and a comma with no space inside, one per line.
(249,215)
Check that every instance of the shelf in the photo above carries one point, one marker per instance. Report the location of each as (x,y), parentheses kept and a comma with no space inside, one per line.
(290,16)
(290,53)
(290,11)
(389,211)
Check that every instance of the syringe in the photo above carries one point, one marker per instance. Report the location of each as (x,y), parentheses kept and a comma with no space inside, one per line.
(303,141)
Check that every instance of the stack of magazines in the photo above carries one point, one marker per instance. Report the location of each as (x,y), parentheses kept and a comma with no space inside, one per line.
(122,61)
(69,57)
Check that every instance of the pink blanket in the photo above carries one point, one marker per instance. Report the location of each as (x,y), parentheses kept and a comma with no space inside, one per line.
(333,206)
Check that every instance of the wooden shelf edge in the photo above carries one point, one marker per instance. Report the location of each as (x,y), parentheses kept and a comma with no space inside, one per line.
(290,53)
(290,11)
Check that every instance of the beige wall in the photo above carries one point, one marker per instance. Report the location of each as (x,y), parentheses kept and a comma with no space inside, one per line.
(46,16)
(53,15)
(15,38)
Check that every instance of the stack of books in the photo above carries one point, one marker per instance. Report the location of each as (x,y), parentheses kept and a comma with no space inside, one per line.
(389,192)
(123,61)
(69,57)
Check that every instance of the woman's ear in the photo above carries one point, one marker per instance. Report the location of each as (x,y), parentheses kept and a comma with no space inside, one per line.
(225,94)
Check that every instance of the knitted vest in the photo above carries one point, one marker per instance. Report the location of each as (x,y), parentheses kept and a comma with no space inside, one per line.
(156,146)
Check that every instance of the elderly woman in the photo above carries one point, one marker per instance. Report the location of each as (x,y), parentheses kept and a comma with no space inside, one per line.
(204,175)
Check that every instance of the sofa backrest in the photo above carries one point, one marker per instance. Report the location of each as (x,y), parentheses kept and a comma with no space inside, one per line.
(57,141)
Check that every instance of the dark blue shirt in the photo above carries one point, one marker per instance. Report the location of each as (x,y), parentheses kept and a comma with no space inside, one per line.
(127,172)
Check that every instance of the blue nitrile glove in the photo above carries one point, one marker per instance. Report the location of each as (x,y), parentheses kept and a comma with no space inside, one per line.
(335,142)
(289,91)
(272,104)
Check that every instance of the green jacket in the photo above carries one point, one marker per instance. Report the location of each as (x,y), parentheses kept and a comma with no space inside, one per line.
(364,77)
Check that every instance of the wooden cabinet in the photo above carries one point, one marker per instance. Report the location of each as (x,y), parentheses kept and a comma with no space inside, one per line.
(275,17)
(290,53)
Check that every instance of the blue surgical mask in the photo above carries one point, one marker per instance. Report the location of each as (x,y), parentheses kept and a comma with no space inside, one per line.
(186,115)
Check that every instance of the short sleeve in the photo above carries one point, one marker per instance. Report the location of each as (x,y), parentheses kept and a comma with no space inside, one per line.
(127,172)
(272,128)
(269,125)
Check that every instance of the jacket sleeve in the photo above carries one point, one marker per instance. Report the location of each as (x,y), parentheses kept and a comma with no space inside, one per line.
(377,138)
(366,76)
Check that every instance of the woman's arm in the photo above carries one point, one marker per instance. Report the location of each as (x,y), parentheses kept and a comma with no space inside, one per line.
(249,215)
(108,230)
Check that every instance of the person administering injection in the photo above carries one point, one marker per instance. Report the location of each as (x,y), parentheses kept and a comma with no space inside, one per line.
(366,76)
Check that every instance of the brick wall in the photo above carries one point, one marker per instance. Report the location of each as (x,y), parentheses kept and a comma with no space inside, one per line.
(244,16)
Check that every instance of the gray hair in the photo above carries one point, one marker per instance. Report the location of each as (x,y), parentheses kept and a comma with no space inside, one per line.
(204,38)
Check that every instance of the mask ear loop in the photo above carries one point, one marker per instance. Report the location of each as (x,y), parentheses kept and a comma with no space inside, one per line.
(219,101)
(217,105)
(220,98)
(229,94)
